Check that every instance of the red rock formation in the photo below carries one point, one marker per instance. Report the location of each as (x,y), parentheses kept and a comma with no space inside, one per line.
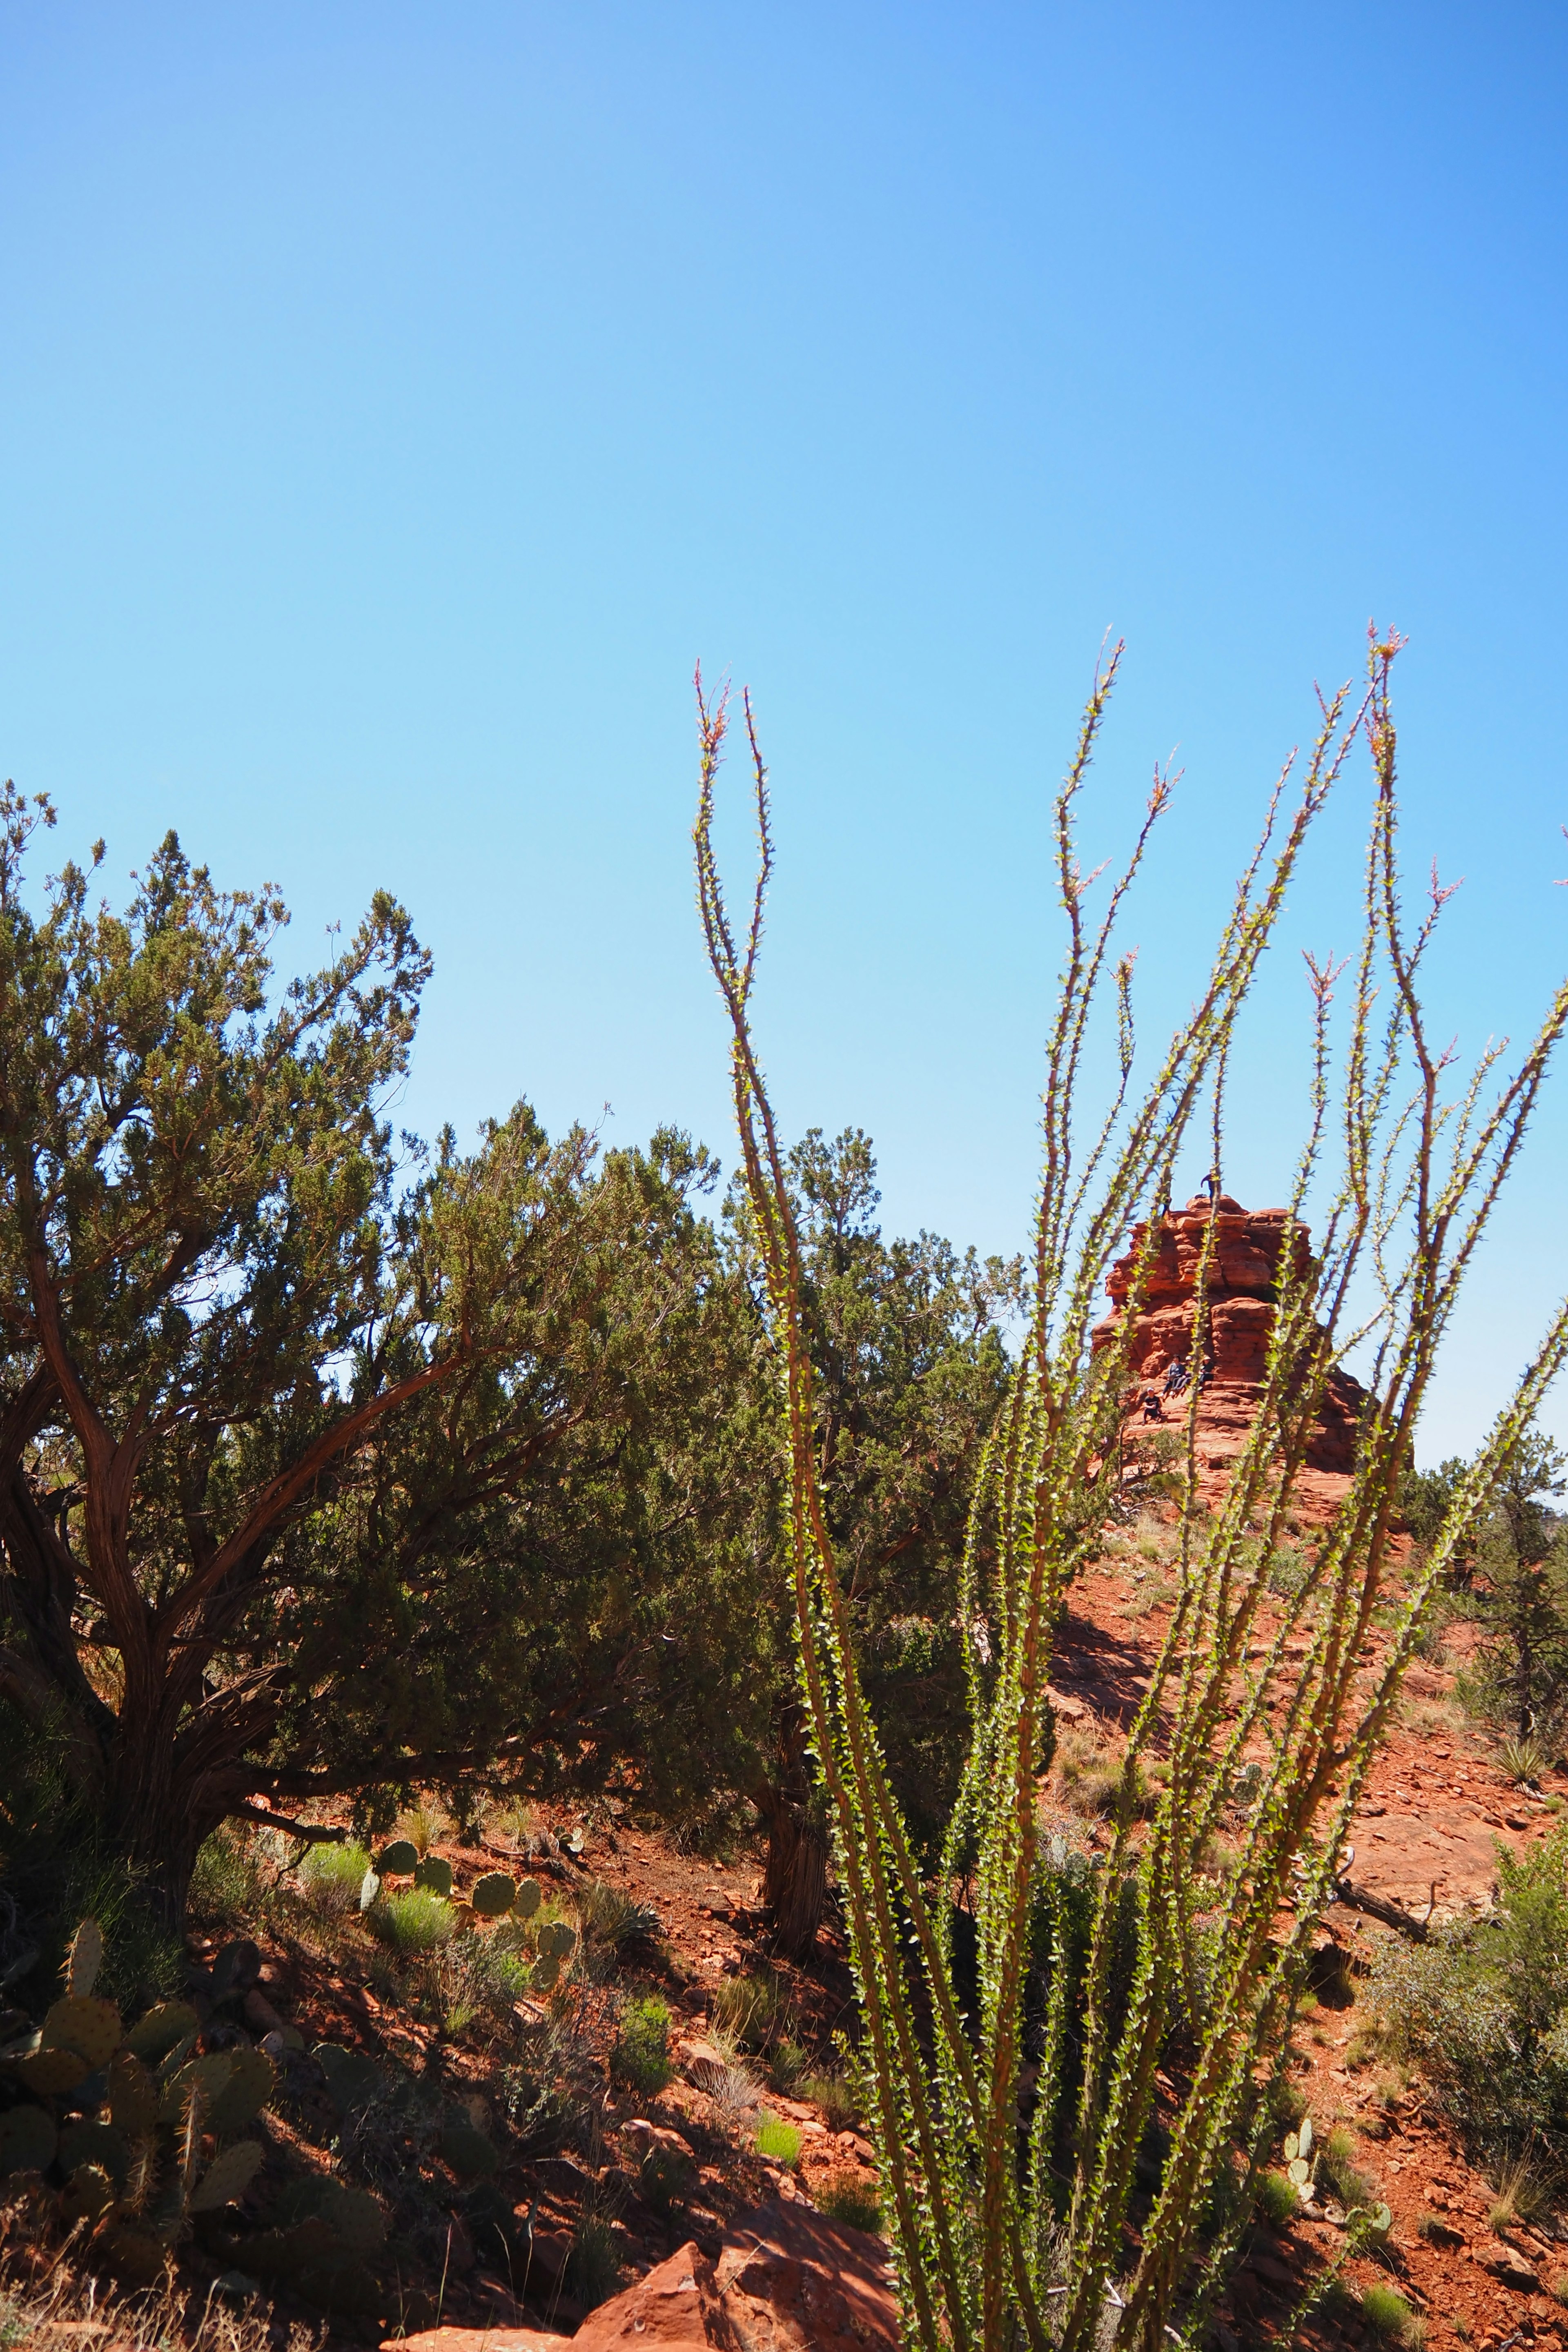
(1241,1293)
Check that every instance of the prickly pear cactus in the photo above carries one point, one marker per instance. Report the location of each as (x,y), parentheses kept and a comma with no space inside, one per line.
(140,2155)
(434,1874)
(493,1895)
(399,1860)
(527,1899)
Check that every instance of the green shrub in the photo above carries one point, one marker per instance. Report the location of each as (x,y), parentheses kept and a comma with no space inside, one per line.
(1483,2007)
(1388,2314)
(845,2197)
(787,2061)
(779,2142)
(840,2108)
(594,2264)
(750,2010)
(1276,2199)
(640,2058)
(414,1921)
(612,1920)
(1338,2166)
(332,1876)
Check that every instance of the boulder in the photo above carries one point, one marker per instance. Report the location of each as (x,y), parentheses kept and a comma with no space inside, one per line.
(787,2280)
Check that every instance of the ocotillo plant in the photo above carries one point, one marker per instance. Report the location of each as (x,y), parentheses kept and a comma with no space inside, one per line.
(1010,2136)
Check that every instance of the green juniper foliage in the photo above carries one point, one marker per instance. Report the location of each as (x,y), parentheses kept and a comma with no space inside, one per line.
(331,1468)
(1002,2235)
(1518,1591)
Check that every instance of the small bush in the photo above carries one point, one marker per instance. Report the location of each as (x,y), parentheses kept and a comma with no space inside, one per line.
(610,1920)
(663,2175)
(1338,2166)
(594,2264)
(226,1886)
(848,2197)
(1525,1760)
(779,2142)
(840,2108)
(1524,2194)
(640,2058)
(1483,2009)
(1276,2199)
(414,1921)
(787,2061)
(750,2010)
(1389,2315)
(331,1876)
(421,1825)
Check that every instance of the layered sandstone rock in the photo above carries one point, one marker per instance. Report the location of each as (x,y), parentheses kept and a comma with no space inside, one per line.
(1242,1288)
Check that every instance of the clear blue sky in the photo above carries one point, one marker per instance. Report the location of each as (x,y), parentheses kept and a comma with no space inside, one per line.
(397,400)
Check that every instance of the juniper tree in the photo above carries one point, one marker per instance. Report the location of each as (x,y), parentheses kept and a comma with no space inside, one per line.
(277,1399)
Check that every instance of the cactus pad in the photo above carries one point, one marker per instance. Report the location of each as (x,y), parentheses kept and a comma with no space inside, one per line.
(400,1859)
(85,1959)
(136,2256)
(90,2028)
(545,1973)
(527,1899)
(88,2194)
(556,1940)
(133,2095)
(227,2177)
(207,2078)
(351,2077)
(49,2072)
(27,2139)
(434,1874)
(470,2154)
(249,2086)
(352,2215)
(493,1895)
(98,2145)
(162,2029)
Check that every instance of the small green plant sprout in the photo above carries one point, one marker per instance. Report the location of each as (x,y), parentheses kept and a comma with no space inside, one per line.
(493,1895)
(435,1875)
(1389,2316)
(778,2141)
(399,1860)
